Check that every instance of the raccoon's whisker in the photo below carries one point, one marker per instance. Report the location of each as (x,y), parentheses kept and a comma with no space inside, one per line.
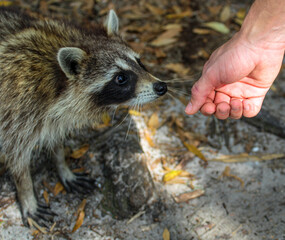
(122,120)
(131,119)
(172,96)
(113,115)
(184,79)
(179,92)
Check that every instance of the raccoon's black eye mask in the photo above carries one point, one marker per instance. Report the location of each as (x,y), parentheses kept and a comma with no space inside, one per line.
(120,89)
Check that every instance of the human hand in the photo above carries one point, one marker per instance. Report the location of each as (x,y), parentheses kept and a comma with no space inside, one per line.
(235,79)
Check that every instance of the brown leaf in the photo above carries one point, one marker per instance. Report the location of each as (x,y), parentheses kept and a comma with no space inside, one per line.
(178,68)
(187,13)
(184,197)
(166,234)
(80,152)
(79,221)
(58,188)
(154,10)
(226,173)
(166,38)
(201,31)
(81,207)
(46,197)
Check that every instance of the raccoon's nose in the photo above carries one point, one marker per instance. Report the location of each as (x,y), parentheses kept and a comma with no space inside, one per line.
(160,88)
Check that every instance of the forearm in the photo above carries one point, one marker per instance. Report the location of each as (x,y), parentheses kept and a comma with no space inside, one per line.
(264,26)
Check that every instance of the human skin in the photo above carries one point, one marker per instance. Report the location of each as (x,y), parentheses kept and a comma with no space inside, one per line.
(238,75)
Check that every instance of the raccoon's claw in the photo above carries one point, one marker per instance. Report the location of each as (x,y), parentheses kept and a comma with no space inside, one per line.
(42,215)
(81,183)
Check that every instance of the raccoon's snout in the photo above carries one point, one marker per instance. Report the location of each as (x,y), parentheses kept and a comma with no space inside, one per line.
(160,88)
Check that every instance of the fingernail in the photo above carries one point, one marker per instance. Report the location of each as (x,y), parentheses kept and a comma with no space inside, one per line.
(188,108)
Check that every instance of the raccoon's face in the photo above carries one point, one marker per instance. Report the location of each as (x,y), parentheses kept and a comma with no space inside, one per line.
(111,72)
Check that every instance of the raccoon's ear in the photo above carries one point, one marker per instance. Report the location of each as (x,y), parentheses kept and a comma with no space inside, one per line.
(69,59)
(112,23)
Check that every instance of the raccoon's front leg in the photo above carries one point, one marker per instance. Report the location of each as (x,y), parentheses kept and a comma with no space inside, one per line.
(72,182)
(30,207)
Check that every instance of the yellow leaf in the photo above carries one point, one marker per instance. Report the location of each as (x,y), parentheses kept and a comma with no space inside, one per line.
(218,27)
(149,139)
(58,188)
(5,3)
(153,122)
(187,13)
(79,221)
(171,175)
(45,195)
(195,150)
(166,234)
(106,119)
(241,13)
(134,113)
(184,197)
(80,152)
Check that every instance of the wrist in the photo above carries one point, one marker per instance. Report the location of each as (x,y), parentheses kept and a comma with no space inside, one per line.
(264,26)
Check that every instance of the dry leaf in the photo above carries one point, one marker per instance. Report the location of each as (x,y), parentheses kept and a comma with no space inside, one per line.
(58,188)
(5,3)
(178,68)
(134,113)
(226,173)
(195,150)
(171,175)
(45,195)
(81,207)
(187,13)
(166,38)
(106,119)
(176,181)
(32,222)
(149,139)
(166,234)
(80,152)
(225,14)
(184,197)
(79,221)
(245,157)
(241,13)
(218,27)
(201,31)
(154,10)
(153,122)
(173,26)
(215,9)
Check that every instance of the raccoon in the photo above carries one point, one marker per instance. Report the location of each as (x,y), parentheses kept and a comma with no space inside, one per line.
(55,77)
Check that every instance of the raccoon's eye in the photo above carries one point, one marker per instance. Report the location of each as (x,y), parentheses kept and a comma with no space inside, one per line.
(121,79)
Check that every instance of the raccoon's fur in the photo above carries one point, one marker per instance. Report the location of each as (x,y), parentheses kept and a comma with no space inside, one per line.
(55,77)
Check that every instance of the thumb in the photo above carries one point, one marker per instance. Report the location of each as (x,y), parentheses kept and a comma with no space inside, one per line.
(199,93)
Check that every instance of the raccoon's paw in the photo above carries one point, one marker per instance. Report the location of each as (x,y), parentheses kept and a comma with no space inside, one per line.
(40,213)
(79,182)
